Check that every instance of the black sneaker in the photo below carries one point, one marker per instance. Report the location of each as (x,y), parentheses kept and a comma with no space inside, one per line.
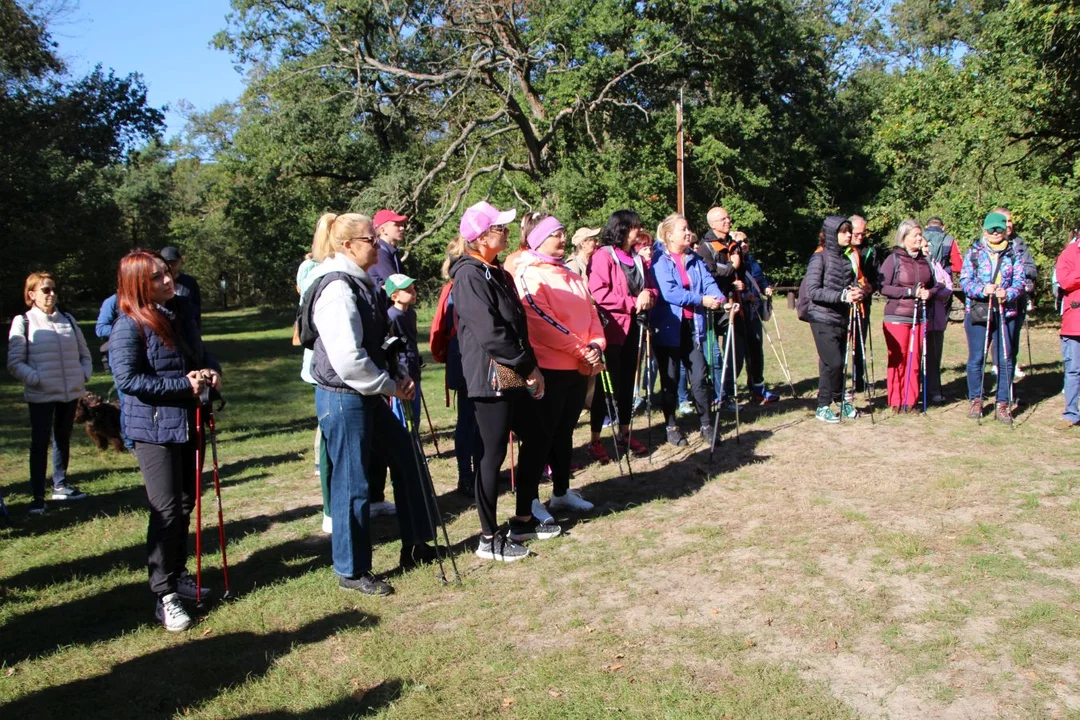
(500,549)
(532,529)
(414,555)
(675,437)
(367,584)
(67,492)
(37,507)
(185,588)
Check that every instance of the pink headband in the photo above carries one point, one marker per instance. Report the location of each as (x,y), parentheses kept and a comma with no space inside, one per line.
(540,233)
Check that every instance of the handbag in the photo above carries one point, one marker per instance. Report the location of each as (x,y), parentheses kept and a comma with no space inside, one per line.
(502,377)
(980,312)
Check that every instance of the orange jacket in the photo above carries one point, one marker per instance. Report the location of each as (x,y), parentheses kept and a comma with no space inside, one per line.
(560,312)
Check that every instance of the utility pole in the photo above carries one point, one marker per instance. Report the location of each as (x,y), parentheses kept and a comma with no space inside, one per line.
(680,190)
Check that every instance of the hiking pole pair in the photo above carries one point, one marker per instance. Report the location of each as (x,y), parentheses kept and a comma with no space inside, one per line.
(908,361)
(986,353)
(849,351)
(431,501)
(729,352)
(861,337)
(637,381)
(612,407)
(200,457)
(785,365)
(1005,353)
(923,344)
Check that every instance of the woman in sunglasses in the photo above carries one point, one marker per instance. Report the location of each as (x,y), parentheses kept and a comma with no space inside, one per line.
(48,354)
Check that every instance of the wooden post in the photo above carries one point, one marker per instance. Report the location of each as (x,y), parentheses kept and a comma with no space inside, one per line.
(680,188)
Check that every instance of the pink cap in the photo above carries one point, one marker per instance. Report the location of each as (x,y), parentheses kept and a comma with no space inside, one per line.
(385,216)
(544,229)
(481,216)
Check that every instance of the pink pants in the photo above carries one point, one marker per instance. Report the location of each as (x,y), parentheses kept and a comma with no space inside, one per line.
(905,372)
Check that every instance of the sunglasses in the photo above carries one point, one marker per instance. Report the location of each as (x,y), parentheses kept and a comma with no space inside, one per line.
(996,231)
(46,290)
(497,228)
(369,239)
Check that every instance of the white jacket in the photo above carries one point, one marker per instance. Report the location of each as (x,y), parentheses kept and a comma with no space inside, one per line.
(50,357)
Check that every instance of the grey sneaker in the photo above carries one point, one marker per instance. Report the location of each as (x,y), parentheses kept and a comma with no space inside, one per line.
(367,584)
(185,588)
(532,529)
(67,492)
(171,613)
(501,549)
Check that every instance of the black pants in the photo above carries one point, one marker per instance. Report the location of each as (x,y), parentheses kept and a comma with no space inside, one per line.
(860,353)
(169,475)
(495,418)
(50,421)
(689,355)
(755,351)
(830,341)
(621,366)
(935,344)
(549,430)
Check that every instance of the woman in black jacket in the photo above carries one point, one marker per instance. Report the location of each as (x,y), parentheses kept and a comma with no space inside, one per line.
(834,280)
(159,363)
(500,371)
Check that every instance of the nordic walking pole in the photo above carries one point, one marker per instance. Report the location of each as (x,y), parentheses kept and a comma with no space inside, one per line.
(513,479)
(862,349)
(1027,334)
(922,343)
(431,502)
(1005,354)
(986,351)
(637,380)
(612,411)
(783,368)
(734,378)
(723,374)
(908,364)
(847,352)
(217,492)
(199,457)
(434,440)
(649,377)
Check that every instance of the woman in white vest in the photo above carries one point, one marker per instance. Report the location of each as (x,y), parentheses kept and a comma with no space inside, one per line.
(48,354)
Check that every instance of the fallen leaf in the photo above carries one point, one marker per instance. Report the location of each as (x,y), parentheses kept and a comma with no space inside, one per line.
(619,656)
(750,642)
(206,632)
(555,694)
(616,668)
(588,629)
(715,611)
(833,645)
(507,702)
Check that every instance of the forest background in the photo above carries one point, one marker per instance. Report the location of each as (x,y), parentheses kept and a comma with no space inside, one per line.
(793,109)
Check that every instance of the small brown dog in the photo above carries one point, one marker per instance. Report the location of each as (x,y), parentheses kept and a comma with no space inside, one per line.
(102,421)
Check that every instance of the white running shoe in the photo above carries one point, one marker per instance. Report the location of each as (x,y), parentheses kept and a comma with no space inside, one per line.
(1019,374)
(171,613)
(572,500)
(328,524)
(382,508)
(541,513)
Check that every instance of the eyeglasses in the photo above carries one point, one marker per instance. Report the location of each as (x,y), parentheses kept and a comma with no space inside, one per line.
(497,228)
(369,239)
(46,290)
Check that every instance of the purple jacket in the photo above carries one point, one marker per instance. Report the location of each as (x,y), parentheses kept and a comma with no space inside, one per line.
(898,277)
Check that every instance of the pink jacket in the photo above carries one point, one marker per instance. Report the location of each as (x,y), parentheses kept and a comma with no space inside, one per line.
(607,283)
(1067,271)
(561,315)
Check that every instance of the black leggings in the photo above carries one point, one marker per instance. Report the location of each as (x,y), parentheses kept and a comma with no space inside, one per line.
(621,366)
(495,418)
(689,355)
(549,429)
(169,475)
(831,342)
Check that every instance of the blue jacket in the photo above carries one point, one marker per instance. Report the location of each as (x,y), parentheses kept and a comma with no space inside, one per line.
(106,317)
(666,315)
(387,264)
(157,403)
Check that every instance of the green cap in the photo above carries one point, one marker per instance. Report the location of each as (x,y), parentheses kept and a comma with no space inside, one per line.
(396,282)
(995,222)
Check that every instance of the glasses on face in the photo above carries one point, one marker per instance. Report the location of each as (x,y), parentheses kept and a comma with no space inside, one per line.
(497,229)
(47,290)
(369,239)
(996,231)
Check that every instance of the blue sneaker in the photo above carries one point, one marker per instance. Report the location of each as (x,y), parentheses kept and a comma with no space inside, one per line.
(763,396)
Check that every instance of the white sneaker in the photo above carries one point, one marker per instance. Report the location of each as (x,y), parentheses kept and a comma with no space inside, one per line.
(572,500)
(328,524)
(1018,374)
(993,369)
(171,613)
(540,513)
(382,508)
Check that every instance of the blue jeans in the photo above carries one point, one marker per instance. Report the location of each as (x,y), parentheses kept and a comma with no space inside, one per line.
(50,424)
(350,425)
(976,340)
(1070,351)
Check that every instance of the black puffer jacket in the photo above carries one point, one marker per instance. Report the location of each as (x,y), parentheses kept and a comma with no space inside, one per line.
(828,275)
(491,323)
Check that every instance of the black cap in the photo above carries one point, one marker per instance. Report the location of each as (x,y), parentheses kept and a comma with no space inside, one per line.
(170,254)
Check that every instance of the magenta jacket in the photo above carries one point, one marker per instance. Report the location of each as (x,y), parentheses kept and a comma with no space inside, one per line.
(607,283)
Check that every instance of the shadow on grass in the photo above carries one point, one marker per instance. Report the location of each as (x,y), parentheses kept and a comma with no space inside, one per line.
(371,702)
(108,614)
(176,679)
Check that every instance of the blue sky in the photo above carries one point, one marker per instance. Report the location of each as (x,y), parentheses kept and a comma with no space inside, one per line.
(167,42)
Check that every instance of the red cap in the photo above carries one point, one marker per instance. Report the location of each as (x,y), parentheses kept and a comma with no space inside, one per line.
(385,216)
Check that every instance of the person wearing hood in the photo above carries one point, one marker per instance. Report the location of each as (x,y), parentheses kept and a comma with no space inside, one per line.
(568,340)
(686,290)
(48,354)
(992,279)
(355,374)
(500,369)
(834,280)
(624,292)
(906,279)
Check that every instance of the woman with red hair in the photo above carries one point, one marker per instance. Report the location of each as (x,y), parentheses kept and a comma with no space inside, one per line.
(160,365)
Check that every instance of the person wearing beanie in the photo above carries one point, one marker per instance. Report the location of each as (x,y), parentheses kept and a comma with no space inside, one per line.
(992,279)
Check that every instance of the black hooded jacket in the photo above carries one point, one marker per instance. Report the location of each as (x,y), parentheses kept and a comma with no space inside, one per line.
(828,275)
(491,323)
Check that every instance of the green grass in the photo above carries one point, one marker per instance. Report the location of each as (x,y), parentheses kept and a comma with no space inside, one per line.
(808,572)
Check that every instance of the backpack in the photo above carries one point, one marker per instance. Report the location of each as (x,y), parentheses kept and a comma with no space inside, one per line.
(307,331)
(802,303)
(443,327)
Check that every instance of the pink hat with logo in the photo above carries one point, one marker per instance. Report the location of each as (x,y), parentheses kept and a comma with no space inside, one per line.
(480,217)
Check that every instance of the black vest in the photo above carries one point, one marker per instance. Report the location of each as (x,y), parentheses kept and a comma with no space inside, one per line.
(372,311)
